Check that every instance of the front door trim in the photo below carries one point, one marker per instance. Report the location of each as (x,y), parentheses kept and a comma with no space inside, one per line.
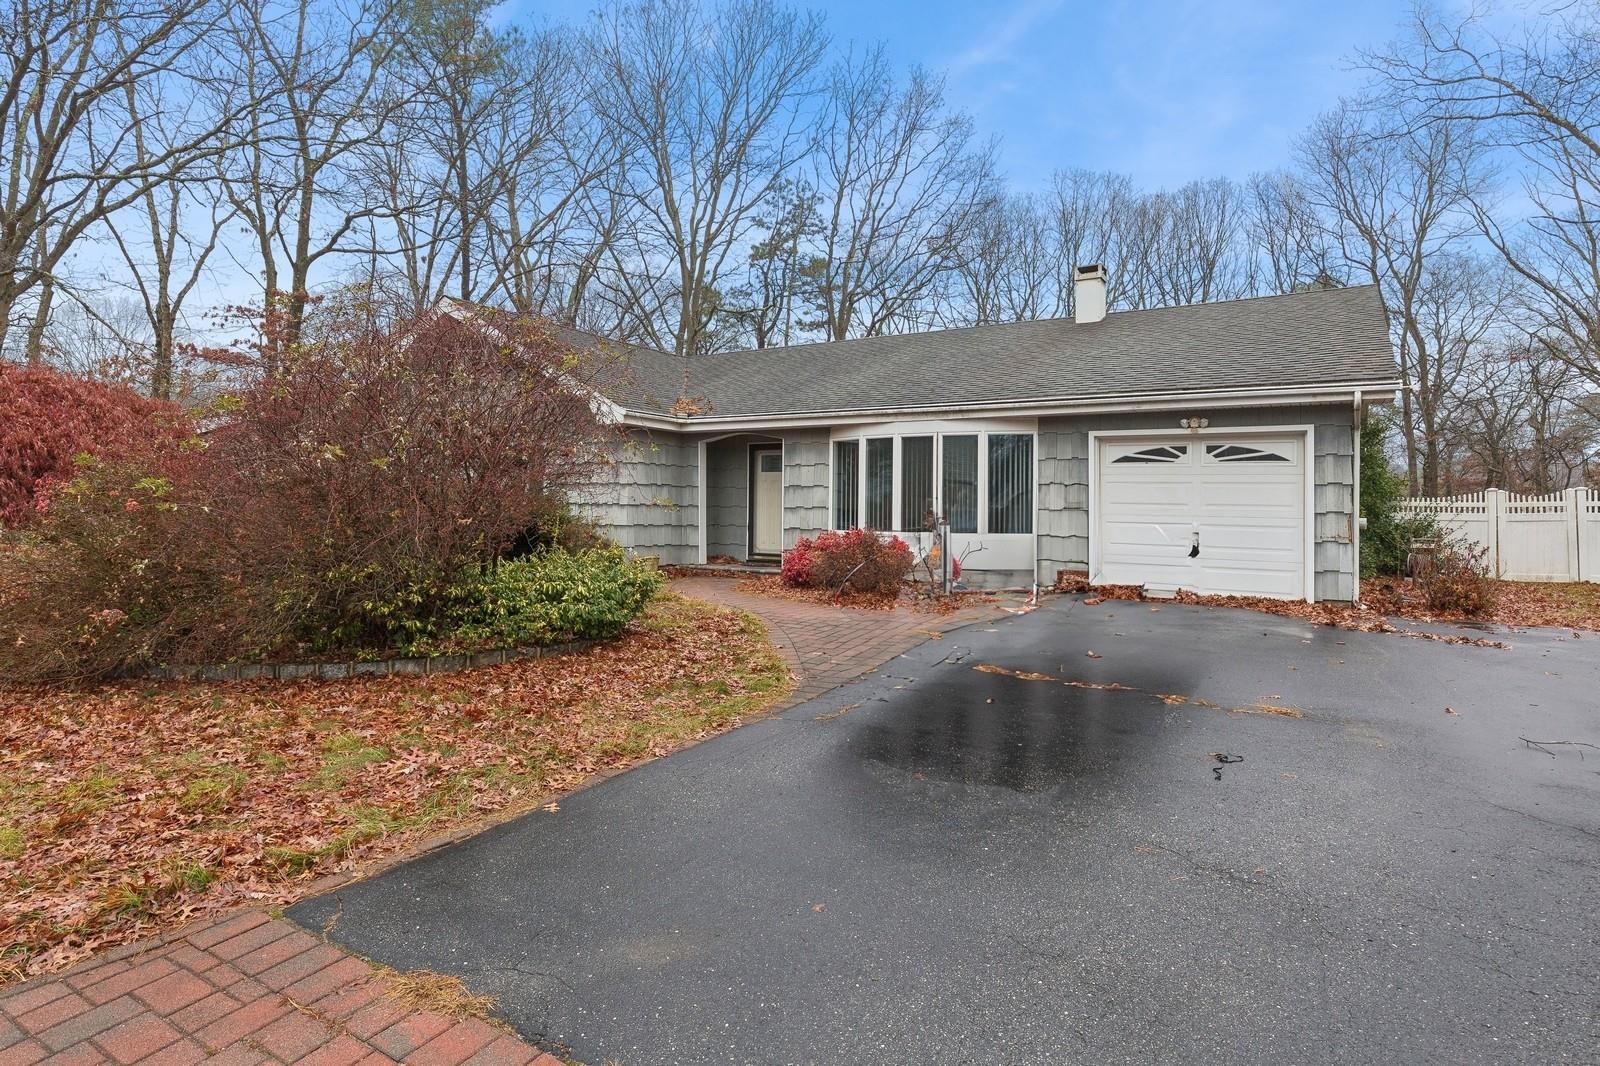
(757,449)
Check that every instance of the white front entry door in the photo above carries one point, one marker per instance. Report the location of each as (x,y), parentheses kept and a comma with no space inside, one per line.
(766,502)
(1213,514)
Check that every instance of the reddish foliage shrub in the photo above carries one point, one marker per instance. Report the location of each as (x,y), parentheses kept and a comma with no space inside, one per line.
(380,462)
(858,559)
(1460,581)
(113,572)
(796,569)
(335,507)
(48,419)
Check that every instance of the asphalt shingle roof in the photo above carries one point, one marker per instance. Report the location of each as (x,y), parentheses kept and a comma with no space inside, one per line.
(1310,338)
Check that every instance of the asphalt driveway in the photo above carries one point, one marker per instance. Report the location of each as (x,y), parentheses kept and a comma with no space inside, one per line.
(946,864)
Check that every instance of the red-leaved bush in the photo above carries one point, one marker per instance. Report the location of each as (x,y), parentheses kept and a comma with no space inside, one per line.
(333,505)
(857,559)
(796,569)
(48,420)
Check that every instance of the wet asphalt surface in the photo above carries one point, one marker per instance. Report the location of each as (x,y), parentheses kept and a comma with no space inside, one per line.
(942,864)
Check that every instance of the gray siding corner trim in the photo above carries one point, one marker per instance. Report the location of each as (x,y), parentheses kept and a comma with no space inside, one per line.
(728,497)
(646,496)
(805,484)
(1063,519)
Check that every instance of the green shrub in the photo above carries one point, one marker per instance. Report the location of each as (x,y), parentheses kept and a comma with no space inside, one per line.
(550,597)
(1389,533)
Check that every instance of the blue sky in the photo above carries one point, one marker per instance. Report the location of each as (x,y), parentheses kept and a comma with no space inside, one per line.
(1164,90)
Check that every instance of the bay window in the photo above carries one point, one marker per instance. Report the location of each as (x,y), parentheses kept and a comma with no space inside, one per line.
(846,484)
(961,483)
(880,483)
(1010,483)
(978,480)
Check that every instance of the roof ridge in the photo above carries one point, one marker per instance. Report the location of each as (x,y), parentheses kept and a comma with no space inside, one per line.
(1062,319)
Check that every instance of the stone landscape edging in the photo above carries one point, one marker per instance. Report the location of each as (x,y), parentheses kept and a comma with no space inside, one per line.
(414,666)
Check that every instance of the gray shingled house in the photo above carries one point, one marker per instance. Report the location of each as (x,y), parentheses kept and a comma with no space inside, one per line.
(1210,447)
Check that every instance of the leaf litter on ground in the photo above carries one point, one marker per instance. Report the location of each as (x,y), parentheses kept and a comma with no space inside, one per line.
(128,808)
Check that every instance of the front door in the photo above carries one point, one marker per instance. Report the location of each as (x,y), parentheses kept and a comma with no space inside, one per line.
(766,501)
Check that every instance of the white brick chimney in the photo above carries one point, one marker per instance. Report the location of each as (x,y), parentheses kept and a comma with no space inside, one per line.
(1089,293)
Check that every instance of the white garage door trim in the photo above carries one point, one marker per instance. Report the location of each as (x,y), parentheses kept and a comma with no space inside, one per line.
(1097,440)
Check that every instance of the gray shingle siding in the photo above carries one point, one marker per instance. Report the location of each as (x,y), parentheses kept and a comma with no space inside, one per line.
(728,497)
(1064,485)
(646,497)
(805,484)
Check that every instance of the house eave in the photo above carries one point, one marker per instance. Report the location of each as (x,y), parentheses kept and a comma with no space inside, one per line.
(1334,392)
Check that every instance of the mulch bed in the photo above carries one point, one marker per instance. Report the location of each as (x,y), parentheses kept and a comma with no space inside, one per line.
(772,585)
(128,808)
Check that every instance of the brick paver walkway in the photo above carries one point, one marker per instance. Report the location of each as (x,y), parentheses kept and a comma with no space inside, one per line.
(240,990)
(831,646)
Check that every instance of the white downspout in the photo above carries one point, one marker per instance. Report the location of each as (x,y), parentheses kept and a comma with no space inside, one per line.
(1357,418)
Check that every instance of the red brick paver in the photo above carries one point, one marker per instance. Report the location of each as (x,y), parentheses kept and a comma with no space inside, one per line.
(832,646)
(188,999)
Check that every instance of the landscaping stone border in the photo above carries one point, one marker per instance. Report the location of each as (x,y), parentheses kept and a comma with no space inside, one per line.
(429,664)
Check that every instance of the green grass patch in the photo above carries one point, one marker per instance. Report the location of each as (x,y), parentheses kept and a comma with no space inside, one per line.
(90,794)
(214,789)
(12,844)
(344,755)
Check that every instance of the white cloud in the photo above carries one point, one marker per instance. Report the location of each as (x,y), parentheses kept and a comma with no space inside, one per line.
(997,45)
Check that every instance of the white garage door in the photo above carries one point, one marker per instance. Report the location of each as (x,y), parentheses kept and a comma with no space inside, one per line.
(1215,515)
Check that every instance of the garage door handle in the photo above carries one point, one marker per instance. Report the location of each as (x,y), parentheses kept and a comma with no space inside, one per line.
(1194,548)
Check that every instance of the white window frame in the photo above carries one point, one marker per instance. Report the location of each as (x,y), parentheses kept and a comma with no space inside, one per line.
(938,433)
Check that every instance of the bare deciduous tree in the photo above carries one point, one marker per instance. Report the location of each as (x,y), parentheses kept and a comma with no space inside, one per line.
(174,231)
(1537,98)
(65,152)
(1396,196)
(900,183)
(708,104)
(1009,269)
(1287,234)
(320,105)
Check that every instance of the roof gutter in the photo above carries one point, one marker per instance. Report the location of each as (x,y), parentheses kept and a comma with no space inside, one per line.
(1337,392)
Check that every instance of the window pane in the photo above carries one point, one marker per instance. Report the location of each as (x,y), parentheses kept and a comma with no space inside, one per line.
(916,482)
(961,483)
(1010,483)
(880,484)
(846,484)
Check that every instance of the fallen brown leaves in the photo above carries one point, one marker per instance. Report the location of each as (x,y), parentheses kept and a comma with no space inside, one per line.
(1563,604)
(772,585)
(131,807)
(1171,699)
(1383,598)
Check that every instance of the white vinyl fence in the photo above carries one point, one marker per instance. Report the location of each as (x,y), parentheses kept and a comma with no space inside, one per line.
(1530,538)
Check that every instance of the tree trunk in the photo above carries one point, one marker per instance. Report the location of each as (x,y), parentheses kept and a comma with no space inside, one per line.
(1408,428)
(161,352)
(41,319)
